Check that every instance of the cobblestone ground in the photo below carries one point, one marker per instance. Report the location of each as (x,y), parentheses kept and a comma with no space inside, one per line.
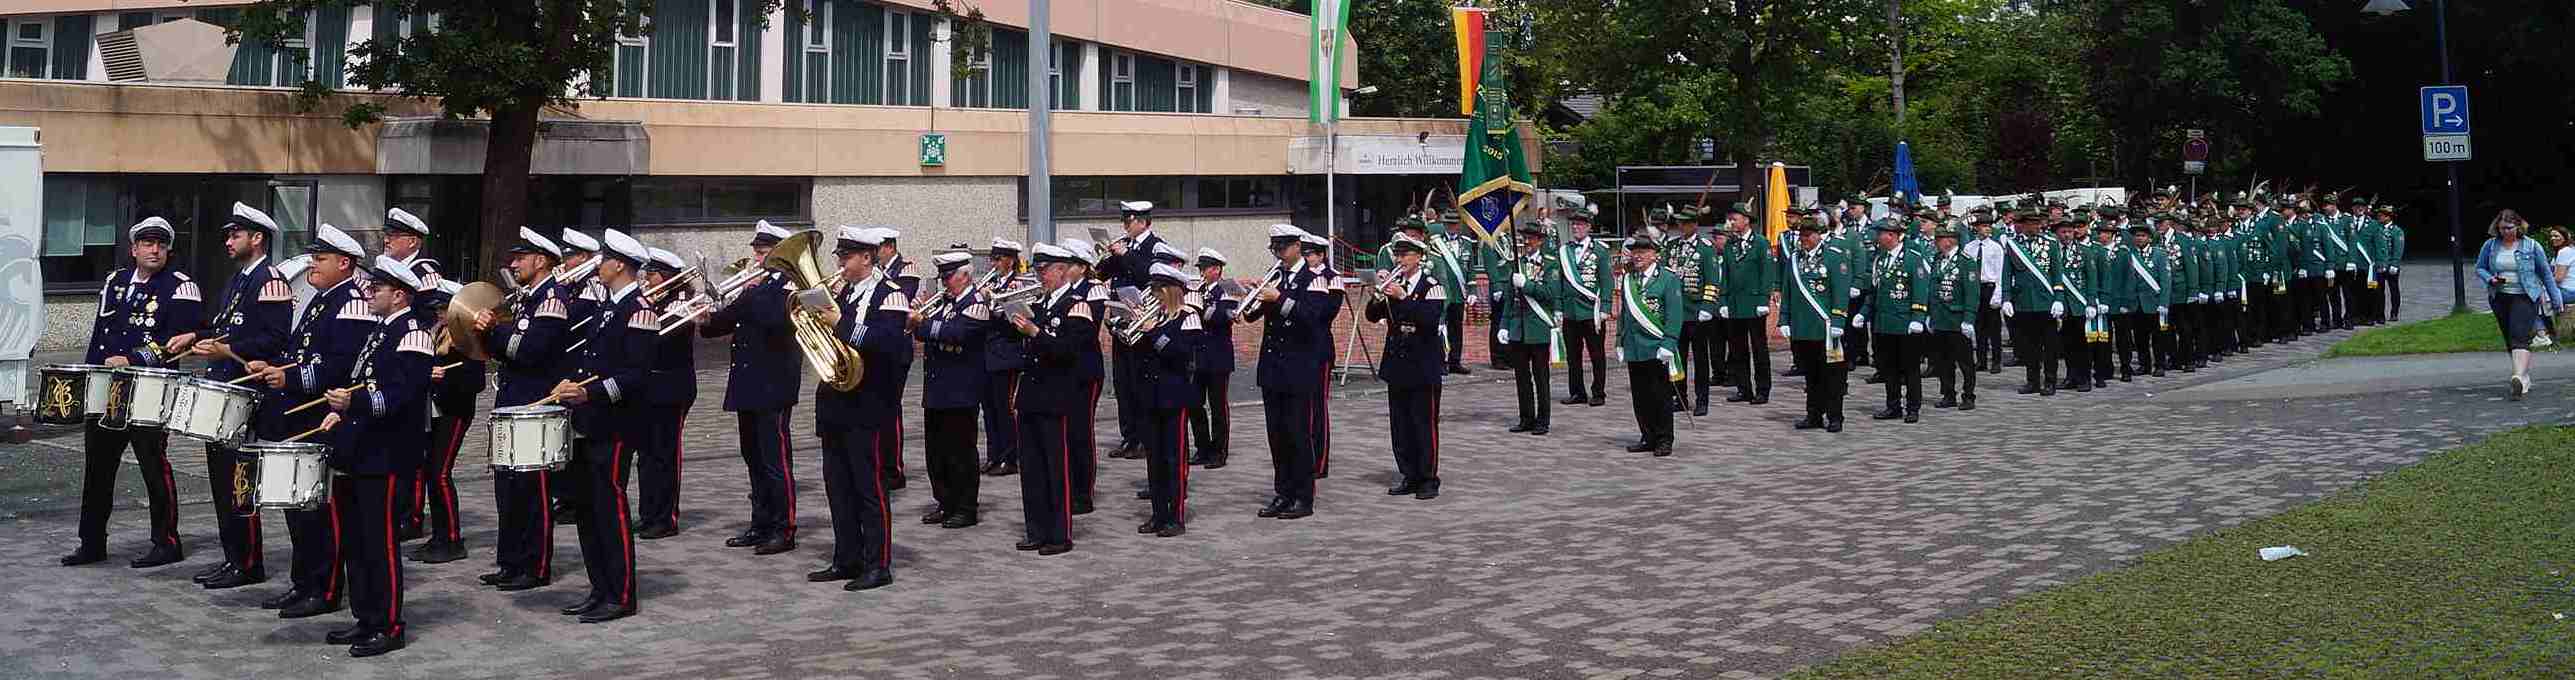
(1753,550)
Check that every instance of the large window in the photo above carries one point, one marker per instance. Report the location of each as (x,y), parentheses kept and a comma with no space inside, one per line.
(86,217)
(719,200)
(818,51)
(1076,197)
(724,65)
(31,48)
(898,57)
(1121,95)
(1185,78)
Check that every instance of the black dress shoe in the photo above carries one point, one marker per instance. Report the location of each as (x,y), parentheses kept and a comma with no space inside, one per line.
(658,532)
(1700,409)
(1913,415)
(2027,388)
(830,573)
(934,516)
(160,555)
(1808,423)
(992,469)
(2125,376)
(748,538)
(1597,400)
(86,554)
(1833,425)
(1539,430)
(438,551)
(608,612)
(1144,494)
(523,582)
(1794,373)
(587,603)
(776,544)
(2158,373)
(2083,387)
(1945,402)
(1297,510)
(1640,447)
(1760,399)
(1663,450)
(871,579)
(1888,413)
(375,644)
(2047,390)
(495,578)
(1272,510)
(208,573)
(1738,398)
(1455,369)
(291,596)
(1404,489)
(960,520)
(1572,400)
(1172,530)
(1427,493)
(1026,545)
(412,532)
(308,607)
(1967,404)
(1081,506)
(1007,469)
(238,577)
(1217,463)
(2100,384)
(1148,527)
(347,636)
(1523,426)
(1055,549)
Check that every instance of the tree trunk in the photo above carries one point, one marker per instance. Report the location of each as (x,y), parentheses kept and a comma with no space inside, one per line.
(1749,132)
(506,157)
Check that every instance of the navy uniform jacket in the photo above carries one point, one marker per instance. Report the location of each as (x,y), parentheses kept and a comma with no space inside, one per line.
(952,354)
(131,315)
(1296,333)
(899,271)
(380,431)
(767,367)
(455,393)
(1416,355)
(1132,269)
(1066,327)
(529,347)
(328,337)
(1003,349)
(255,320)
(672,378)
(872,314)
(1216,347)
(618,349)
(1096,297)
(1170,366)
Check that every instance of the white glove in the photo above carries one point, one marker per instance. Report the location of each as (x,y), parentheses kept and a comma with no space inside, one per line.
(1783,331)
(2056,309)
(2199,297)
(1663,355)
(1967,328)
(1914,328)
(2349,266)
(2100,309)
(1860,322)
(1706,315)
(1763,310)
(1504,335)
(1519,280)
(2302,273)
(814,298)
(1855,292)
(1833,331)
(2007,309)
(1497,297)
(1725,311)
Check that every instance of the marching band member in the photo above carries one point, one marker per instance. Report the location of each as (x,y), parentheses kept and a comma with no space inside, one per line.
(609,409)
(1524,316)
(456,380)
(1166,357)
(1083,465)
(374,427)
(670,389)
(1211,416)
(584,296)
(869,313)
(1053,392)
(1649,341)
(1002,355)
(1986,250)
(952,388)
(1294,370)
(1743,306)
(896,269)
(1322,288)
(1585,267)
(248,332)
(1166,254)
(142,311)
(329,335)
(530,351)
(760,390)
(1411,300)
(1812,280)
(1130,259)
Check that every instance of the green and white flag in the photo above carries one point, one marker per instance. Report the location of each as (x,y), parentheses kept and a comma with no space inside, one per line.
(1323,60)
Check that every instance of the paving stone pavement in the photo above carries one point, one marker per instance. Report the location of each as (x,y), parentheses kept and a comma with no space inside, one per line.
(1750,552)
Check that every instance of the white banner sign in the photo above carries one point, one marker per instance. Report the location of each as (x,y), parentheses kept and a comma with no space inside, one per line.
(1379,155)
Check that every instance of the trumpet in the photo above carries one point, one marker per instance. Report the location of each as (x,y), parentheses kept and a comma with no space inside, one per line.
(1276,280)
(653,295)
(578,273)
(1380,290)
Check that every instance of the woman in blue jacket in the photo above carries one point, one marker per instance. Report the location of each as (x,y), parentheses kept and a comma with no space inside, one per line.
(2519,287)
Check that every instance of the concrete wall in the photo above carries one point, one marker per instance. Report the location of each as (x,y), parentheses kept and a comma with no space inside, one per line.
(1274,96)
(932,212)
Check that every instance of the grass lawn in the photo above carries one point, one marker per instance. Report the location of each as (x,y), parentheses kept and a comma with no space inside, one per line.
(2471,332)
(2457,567)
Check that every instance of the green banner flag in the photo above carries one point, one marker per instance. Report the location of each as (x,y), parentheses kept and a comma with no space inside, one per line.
(1494,182)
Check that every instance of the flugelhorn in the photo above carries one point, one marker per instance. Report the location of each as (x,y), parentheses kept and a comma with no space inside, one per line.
(1141,319)
(834,362)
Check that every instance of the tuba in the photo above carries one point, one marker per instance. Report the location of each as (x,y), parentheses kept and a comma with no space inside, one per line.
(834,362)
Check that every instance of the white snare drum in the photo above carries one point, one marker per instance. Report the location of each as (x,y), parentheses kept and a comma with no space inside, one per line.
(292,475)
(139,396)
(213,412)
(67,394)
(531,438)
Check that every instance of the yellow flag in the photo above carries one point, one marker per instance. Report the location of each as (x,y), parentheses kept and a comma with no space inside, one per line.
(1775,203)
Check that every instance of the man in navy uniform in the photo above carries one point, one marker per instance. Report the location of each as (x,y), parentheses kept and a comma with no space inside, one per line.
(1292,372)
(607,393)
(249,331)
(760,390)
(1166,357)
(1053,392)
(670,388)
(455,381)
(1130,259)
(143,311)
(1002,365)
(1321,288)
(952,388)
(374,427)
(583,296)
(1083,464)
(1211,417)
(1411,301)
(897,270)
(530,352)
(330,332)
(868,313)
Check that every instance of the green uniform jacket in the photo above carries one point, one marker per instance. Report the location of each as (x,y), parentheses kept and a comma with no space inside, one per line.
(1903,290)
(2075,272)
(2097,259)
(2392,245)
(1652,299)
(1750,277)
(2259,270)
(1582,268)
(2181,252)
(2282,246)
(1524,312)
(1689,260)
(2145,281)
(1954,291)
(2029,273)
(1823,275)
(2314,254)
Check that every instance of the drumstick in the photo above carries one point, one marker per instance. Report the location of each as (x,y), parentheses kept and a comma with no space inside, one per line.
(307,433)
(585,382)
(237,381)
(451,365)
(306,405)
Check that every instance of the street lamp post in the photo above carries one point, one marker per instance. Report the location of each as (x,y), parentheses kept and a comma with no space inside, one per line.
(2441,39)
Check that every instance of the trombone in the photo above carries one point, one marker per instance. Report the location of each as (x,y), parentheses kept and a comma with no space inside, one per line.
(714,295)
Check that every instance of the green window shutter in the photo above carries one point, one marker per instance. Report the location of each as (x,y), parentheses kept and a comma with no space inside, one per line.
(330,44)
(679,50)
(1009,69)
(794,82)
(71,46)
(920,86)
(1071,68)
(1155,89)
(858,54)
(1207,90)
(747,56)
(1108,95)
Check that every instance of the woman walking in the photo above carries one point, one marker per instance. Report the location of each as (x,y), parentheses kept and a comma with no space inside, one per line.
(2519,287)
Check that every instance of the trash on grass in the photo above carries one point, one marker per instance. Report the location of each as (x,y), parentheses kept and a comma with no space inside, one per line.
(2277,553)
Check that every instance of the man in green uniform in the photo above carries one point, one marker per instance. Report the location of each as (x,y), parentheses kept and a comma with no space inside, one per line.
(2367,248)
(1524,320)
(1900,309)
(2225,289)
(2341,261)
(2141,303)
(1583,267)
(1956,300)
(2099,255)
(1851,238)
(1453,253)
(1814,282)
(2253,325)
(1743,305)
(1687,253)
(2391,254)
(2075,280)
(1649,340)
(2033,299)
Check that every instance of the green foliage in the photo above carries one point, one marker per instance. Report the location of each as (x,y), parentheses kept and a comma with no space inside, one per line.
(1408,51)
(2156,67)
(969,36)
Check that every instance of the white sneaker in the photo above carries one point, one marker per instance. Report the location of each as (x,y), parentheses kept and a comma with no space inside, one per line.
(2541,340)
(2520,386)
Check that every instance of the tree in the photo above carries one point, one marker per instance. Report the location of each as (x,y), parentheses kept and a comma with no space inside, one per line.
(505,59)
(2157,66)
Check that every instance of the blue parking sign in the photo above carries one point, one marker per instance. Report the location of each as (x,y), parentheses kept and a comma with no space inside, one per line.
(2445,110)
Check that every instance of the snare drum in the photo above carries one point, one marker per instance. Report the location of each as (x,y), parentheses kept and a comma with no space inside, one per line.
(292,475)
(67,394)
(213,412)
(140,396)
(531,438)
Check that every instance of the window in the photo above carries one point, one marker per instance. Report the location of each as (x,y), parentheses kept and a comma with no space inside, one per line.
(1083,197)
(719,200)
(1055,61)
(30,48)
(723,68)
(86,216)
(1185,76)
(633,64)
(295,55)
(818,51)
(1122,82)
(1236,193)
(898,57)
(727,22)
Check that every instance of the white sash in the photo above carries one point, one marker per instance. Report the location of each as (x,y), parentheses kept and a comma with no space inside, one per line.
(1644,321)
(2138,263)
(2014,246)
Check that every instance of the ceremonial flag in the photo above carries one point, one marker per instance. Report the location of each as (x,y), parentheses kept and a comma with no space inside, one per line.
(1330,20)
(1775,206)
(1468,22)
(1494,182)
(1907,189)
